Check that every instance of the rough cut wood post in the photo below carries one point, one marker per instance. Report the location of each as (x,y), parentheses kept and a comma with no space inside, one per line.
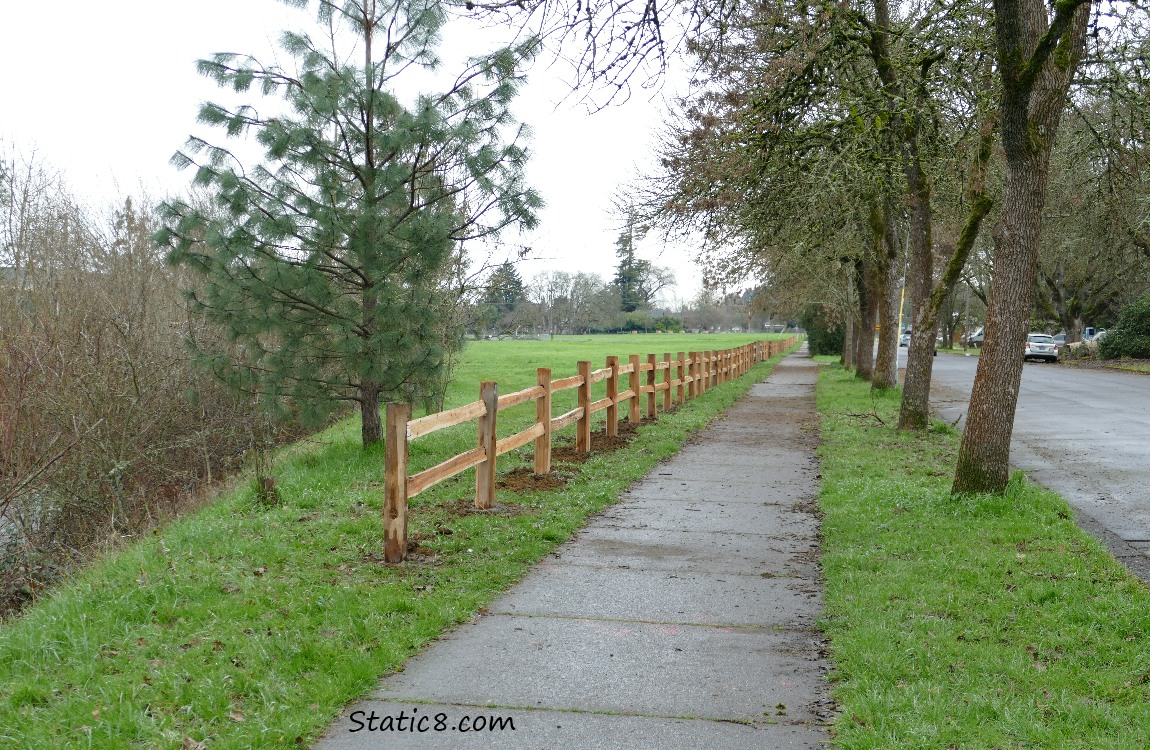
(692,367)
(667,381)
(636,391)
(707,370)
(543,417)
(680,371)
(613,395)
(485,472)
(583,426)
(651,386)
(395,482)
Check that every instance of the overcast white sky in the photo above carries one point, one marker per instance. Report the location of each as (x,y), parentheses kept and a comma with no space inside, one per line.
(107,91)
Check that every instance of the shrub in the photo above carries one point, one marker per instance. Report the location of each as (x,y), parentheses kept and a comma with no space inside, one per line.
(106,428)
(1131,337)
(825,334)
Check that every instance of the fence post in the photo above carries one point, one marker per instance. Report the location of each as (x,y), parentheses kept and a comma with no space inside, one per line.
(651,385)
(583,426)
(613,395)
(395,482)
(667,381)
(543,417)
(707,370)
(485,472)
(693,369)
(680,369)
(636,392)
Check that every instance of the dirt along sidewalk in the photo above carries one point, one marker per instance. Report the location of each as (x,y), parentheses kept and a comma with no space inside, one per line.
(681,617)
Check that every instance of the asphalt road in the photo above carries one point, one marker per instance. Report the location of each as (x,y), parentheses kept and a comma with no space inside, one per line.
(1082,433)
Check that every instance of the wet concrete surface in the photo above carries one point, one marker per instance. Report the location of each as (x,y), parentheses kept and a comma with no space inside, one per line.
(682,617)
(1084,433)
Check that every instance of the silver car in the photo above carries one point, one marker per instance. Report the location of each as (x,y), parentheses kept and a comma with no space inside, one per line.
(1040,346)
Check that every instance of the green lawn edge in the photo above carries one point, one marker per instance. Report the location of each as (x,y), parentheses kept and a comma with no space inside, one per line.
(248,626)
(977,622)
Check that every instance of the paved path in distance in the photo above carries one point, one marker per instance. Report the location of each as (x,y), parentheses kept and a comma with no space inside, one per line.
(682,617)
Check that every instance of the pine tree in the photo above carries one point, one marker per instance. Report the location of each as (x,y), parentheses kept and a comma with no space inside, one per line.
(326,260)
(631,272)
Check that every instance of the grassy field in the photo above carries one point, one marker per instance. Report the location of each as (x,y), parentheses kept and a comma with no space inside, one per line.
(251,626)
(983,622)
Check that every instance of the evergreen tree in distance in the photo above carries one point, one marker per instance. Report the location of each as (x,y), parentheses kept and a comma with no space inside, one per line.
(325,260)
(631,272)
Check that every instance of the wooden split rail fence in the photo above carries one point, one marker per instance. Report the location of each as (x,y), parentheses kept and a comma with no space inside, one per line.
(686,376)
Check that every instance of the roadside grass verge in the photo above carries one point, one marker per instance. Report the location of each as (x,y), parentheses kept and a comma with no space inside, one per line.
(976,622)
(252,626)
(959,351)
(1132,366)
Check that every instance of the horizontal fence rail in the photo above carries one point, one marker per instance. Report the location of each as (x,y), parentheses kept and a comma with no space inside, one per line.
(653,385)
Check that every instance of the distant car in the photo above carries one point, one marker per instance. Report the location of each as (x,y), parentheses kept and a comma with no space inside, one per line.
(1060,340)
(975,339)
(1099,335)
(904,339)
(1040,346)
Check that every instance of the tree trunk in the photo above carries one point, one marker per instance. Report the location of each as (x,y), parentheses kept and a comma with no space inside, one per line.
(885,374)
(868,311)
(1037,58)
(914,412)
(372,425)
(984,457)
(848,358)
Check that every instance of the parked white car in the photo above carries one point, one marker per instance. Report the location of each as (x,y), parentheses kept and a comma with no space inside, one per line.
(1040,346)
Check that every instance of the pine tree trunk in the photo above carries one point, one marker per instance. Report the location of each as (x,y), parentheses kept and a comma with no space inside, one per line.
(372,423)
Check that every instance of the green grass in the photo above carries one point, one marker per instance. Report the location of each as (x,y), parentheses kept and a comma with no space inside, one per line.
(1133,366)
(959,351)
(247,626)
(980,622)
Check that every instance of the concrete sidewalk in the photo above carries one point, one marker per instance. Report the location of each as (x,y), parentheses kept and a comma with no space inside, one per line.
(682,617)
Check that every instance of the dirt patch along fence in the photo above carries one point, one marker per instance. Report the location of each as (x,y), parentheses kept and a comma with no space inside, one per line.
(652,385)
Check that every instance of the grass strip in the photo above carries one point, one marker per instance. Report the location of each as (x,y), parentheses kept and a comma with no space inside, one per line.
(976,622)
(251,626)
